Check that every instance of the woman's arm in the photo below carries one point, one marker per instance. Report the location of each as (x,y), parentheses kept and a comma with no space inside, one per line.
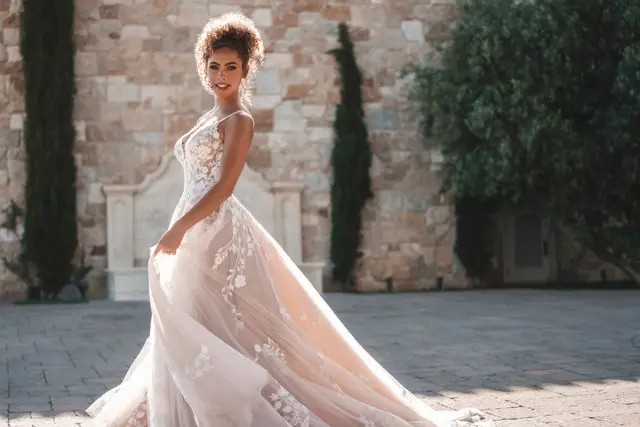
(237,141)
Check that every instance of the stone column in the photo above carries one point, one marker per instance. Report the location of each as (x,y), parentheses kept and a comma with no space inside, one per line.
(119,226)
(288,222)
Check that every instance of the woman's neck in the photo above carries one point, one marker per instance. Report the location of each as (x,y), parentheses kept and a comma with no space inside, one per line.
(228,106)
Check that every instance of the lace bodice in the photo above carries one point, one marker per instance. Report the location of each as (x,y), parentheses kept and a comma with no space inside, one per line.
(199,151)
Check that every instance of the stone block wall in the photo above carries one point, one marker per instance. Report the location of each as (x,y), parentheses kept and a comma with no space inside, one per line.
(12,173)
(138,91)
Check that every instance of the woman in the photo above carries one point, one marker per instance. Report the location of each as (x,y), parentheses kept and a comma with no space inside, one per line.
(239,337)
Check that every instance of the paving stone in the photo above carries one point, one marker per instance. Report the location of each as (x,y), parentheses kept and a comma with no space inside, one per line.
(512,413)
(531,358)
(21,407)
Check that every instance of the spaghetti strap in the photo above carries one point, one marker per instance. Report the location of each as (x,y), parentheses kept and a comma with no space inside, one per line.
(232,114)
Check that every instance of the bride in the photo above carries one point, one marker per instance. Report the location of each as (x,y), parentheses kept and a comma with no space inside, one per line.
(238,336)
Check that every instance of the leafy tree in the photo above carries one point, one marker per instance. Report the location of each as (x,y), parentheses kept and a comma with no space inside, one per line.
(540,99)
(350,161)
(475,224)
(47,48)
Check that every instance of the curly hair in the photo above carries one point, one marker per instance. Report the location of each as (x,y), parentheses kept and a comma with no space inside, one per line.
(234,31)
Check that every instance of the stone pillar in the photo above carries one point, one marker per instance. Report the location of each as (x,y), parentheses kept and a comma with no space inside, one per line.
(288,224)
(119,226)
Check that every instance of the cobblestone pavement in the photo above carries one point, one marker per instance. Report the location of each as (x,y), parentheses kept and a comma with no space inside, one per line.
(528,358)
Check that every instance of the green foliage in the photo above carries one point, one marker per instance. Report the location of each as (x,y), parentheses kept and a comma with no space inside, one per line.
(19,266)
(23,269)
(79,275)
(540,99)
(474,227)
(47,48)
(350,160)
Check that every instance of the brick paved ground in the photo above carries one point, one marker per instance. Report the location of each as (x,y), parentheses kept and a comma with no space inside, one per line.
(529,358)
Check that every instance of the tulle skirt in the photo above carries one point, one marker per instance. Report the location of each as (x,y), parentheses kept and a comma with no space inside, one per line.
(240,338)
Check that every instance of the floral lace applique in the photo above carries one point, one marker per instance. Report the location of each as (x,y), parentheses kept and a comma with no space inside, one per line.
(242,246)
(199,152)
(283,312)
(200,365)
(294,412)
(366,422)
(313,319)
(200,155)
(376,418)
(139,416)
(271,348)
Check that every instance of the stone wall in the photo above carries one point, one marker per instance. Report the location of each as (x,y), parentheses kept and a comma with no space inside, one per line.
(138,91)
(12,174)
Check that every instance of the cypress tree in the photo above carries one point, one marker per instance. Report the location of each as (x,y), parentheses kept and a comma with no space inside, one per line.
(47,47)
(350,161)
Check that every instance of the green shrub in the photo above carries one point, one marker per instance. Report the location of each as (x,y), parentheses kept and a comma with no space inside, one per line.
(350,161)
(540,100)
(47,48)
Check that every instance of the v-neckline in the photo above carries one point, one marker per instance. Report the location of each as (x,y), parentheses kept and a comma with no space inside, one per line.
(205,123)
(198,128)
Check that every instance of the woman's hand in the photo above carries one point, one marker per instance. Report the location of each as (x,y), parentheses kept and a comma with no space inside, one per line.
(171,239)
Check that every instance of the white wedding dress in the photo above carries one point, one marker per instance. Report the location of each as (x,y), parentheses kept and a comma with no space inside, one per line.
(240,338)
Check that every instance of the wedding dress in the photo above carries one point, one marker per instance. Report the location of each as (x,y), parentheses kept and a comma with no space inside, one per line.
(240,338)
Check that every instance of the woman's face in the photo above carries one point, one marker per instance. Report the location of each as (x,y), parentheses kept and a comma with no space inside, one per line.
(224,68)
